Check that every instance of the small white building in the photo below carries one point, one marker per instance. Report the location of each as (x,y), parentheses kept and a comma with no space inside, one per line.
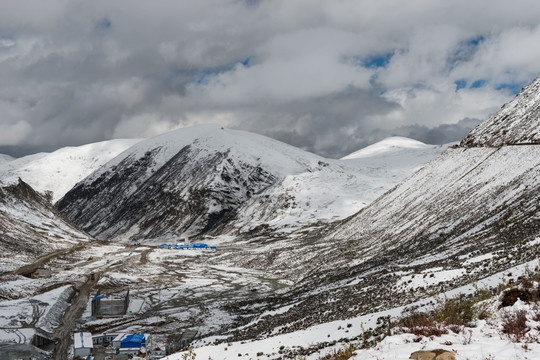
(83,344)
(118,340)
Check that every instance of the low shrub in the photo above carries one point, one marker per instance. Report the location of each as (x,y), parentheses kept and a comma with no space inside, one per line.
(342,354)
(422,324)
(510,296)
(456,311)
(515,324)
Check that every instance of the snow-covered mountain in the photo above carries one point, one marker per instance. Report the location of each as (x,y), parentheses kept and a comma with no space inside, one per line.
(210,180)
(30,226)
(59,171)
(5,158)
(185,182)
(469,213)
(391,148)
(335,192)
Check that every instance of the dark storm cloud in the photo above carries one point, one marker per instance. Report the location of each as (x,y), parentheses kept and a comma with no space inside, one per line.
(332,125)
(442,134)
(323,75)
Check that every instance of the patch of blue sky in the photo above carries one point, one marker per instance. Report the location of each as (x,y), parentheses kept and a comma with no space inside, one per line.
(464,51)
(103,24)
(376,61)
(478,84)
(247,61)
(475,41)
(465,84)
(514,88)
(203,78)
(460,84)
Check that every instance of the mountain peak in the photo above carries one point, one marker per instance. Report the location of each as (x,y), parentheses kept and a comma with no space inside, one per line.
(390,144)
(188,181)
(517,122)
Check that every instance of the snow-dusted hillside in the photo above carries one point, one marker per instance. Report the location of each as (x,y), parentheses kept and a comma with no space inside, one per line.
(391,148)
(196,180)
(469,213)
(5,158)
(60,170)
(30,226)
(338,190)
(188,181)
(485,339)
(462,195)
(517,122)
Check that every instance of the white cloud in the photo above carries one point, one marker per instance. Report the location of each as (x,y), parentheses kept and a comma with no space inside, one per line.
(87,71)
(506,57)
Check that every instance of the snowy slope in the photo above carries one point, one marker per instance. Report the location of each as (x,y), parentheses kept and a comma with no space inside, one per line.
(196,180)
(31,227)
(469,213)
(517,122)
(461,195)
(185,182)
(338,190)
(60,170)
(5,158)
(392,146)
(484,341)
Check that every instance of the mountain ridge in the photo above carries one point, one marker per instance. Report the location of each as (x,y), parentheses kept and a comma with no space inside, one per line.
(30,226)
(201,174)
(57,172)
(517,122)
(211,180)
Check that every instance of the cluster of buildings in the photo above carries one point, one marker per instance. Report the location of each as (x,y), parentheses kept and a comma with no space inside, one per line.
(194,246)
(120,343)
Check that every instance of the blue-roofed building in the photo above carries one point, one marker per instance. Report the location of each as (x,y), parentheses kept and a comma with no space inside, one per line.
(199,246)
(131,343)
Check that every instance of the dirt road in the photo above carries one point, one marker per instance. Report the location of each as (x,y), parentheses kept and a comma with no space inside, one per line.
(39,262)
(64,332)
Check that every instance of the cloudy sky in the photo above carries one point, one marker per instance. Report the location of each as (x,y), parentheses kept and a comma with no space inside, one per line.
(329,76)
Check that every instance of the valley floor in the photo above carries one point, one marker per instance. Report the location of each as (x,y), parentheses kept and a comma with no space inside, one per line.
(179,292)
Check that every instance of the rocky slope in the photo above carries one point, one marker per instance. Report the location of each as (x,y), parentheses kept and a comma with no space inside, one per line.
(31,227)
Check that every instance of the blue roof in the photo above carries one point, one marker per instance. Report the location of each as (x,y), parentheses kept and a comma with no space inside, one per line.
(198,245)
(133,340)
(98,297)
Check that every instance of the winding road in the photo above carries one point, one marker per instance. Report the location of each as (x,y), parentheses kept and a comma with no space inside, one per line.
(64,332)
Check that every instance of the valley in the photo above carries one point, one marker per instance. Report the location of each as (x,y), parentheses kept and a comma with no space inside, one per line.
(172,291)
(298,255)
